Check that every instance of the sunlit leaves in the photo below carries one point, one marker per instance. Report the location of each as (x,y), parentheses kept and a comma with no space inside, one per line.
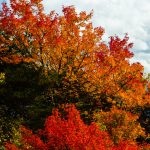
(120,124)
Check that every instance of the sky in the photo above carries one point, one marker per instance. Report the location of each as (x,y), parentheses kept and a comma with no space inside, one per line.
(117,17)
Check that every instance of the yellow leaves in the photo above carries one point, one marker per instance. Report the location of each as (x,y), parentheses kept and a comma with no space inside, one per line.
(112,61)
(120,124)
(2,77)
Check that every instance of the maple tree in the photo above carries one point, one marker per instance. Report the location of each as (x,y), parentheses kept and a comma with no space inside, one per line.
(58,44)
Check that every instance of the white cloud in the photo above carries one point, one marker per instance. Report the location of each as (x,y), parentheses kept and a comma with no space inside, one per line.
(140,44)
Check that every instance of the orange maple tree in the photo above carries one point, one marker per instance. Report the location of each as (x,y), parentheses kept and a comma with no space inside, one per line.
(71,47)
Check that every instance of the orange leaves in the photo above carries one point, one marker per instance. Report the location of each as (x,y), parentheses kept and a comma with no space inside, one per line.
(120,124)
(70,15)
(83,15)
(99,32)
(115,76)
(36,1)
(60,43)
(69,44)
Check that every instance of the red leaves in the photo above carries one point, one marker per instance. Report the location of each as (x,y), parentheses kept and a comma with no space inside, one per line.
(66,130)
(70,14)
(10,146)
(126,145)
(120,47)
(116,76)
(70,131)
(31,140)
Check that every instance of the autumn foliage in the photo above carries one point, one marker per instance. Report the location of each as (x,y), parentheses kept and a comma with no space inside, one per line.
(70,48)
(121,125)
(50,60)
(68,131)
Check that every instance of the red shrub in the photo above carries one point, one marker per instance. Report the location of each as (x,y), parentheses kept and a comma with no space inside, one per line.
(65,132)
(73,133)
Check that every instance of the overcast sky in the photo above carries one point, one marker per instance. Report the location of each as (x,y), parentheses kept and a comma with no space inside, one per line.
(117,17)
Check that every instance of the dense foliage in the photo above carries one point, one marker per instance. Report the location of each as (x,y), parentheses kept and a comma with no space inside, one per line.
(68,131)
(47,61)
